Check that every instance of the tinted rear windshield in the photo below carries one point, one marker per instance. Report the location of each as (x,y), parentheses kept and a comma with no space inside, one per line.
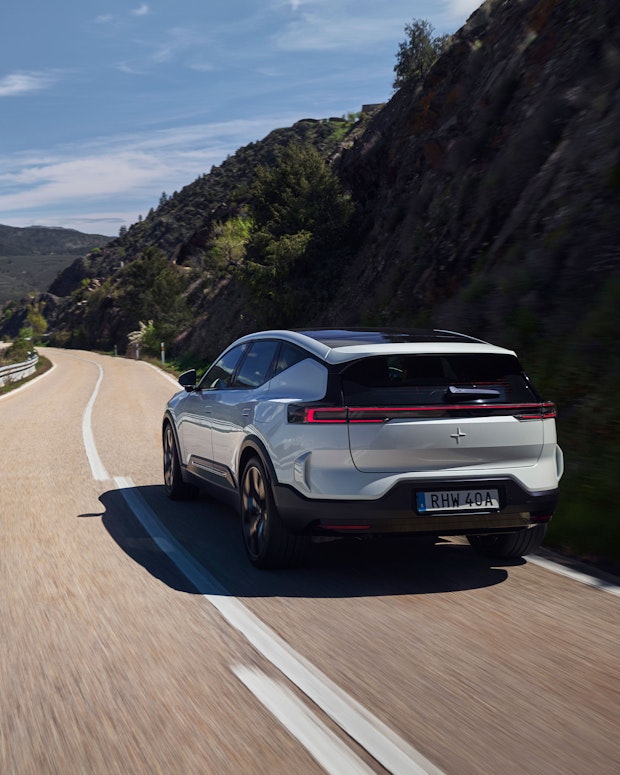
(401,380)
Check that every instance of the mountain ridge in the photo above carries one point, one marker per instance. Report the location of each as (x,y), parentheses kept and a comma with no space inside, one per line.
(46,240)
(32,256)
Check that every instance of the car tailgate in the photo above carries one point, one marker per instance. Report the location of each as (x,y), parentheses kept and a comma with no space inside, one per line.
(414,444)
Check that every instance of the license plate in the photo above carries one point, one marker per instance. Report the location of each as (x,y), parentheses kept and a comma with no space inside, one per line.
(457,500)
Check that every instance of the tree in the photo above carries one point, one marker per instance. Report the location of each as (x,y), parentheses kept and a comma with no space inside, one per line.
(298,243)
(36,321)
(149,288)
(300,193)
(229,242)
(418,52)
(21,348)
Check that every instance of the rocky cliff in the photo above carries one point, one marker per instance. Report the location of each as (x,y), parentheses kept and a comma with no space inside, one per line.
(491,192)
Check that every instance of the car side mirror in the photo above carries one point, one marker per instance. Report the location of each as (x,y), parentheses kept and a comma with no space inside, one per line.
(188,379)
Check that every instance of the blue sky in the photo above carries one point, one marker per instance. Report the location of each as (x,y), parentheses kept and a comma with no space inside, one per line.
(104,105)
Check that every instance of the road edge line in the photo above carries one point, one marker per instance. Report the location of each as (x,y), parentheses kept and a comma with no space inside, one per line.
(575,575)
(325,747)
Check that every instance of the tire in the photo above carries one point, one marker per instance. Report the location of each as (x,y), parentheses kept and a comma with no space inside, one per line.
(176,488)
(509,545)
(268,542)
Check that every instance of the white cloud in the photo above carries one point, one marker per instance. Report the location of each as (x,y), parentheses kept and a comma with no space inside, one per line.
(142,10)
(23,83)
(319,25)
(130,69)
(321,32)
(295,5)
(178,39)
(461,9)
(176,42)
(203,67)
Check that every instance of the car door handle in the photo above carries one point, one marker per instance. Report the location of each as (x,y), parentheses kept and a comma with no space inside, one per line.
(245,413)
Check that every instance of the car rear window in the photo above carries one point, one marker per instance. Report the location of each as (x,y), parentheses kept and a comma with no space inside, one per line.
(289,355)
(255,368)
(400,380)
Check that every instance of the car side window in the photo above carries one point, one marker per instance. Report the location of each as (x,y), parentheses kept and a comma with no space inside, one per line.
(288,356)
(256,366)
(219,376)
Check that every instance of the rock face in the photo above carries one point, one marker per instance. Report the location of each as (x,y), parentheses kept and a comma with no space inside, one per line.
(490,193)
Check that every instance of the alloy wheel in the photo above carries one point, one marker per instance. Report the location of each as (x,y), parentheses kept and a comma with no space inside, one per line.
(255,510)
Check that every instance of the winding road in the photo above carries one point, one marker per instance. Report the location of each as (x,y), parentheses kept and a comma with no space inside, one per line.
(136,637)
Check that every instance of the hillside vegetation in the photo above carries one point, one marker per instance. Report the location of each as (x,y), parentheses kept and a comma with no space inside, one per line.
(483,198)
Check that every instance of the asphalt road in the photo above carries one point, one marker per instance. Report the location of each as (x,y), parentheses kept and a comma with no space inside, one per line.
(136,638)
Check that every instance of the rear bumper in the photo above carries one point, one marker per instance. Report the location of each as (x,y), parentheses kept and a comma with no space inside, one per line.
(396,511)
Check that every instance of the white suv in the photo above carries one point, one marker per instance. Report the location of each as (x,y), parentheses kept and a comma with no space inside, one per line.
(367,432)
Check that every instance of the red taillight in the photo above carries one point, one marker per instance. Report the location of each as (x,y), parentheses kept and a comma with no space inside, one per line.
(330,415)
(298,413)
(537,518)
(544,411)
(343,528)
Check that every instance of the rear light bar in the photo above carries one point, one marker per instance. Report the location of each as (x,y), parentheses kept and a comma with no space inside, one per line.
(331,415)
(546,411)
(318,414)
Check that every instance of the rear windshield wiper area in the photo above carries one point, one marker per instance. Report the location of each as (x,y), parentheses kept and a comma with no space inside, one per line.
(469,394)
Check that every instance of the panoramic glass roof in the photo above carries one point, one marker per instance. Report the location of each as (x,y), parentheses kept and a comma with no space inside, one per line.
(337,337)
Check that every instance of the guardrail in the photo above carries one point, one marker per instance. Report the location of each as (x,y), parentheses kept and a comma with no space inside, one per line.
(17,371)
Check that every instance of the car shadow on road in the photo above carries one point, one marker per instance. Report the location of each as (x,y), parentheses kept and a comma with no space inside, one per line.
(210,533)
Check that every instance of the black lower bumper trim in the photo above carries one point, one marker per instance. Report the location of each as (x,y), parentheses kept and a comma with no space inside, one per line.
(396,511)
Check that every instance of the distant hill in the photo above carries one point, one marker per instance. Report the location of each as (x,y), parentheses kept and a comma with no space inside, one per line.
(30,258)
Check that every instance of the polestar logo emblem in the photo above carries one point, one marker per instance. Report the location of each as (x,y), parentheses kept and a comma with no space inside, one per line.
(458,435)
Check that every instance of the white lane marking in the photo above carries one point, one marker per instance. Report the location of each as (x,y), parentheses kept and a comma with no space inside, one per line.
(320,742)
(164,374)
(584,578)
(96,466)
(192,570)
(390,750)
